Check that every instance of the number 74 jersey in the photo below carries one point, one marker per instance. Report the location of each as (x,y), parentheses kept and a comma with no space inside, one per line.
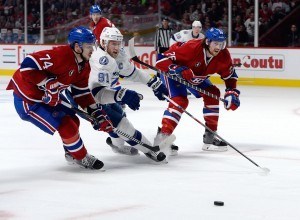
(59,63)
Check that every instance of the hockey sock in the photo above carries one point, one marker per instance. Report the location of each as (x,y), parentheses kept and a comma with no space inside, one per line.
(173,114)
(69,133)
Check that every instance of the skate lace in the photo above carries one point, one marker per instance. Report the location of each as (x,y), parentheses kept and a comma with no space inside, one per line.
(88,161)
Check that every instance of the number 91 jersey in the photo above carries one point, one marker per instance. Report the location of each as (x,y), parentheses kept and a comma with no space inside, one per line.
(104,70)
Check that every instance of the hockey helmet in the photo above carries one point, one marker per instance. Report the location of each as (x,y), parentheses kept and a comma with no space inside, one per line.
(81,35)
(215,34)
(95,9)
(110,33)
(197,24)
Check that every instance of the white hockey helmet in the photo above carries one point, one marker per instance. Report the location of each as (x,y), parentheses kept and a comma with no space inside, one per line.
(110,33)
(197,24)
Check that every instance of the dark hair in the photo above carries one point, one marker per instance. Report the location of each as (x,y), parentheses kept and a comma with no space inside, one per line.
(165,19)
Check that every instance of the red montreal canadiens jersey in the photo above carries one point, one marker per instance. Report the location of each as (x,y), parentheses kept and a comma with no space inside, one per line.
(192,55)
(60,63)
(102,23)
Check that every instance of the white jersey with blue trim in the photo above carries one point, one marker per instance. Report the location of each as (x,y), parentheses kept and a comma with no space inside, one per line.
(128,71)
(184,36)
(104,76)
(105,73)
(125,66)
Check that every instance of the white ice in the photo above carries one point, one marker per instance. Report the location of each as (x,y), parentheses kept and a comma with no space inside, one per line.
(37,183)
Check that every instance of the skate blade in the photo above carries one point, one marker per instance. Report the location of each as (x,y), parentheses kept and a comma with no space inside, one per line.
(213,148)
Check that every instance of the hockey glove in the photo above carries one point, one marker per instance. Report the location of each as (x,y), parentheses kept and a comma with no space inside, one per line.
(181,71)
(232,99)
(128,97)
(158,88)
(51,96)
(104,123)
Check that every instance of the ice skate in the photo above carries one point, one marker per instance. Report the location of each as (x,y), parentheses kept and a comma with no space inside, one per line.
(212,143)
(166,142)
(88,162)
(122,149)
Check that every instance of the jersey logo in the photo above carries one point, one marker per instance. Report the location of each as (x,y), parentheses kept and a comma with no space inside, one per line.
(178,36)
(71,72)
(197,64)
(120,66)
(103,60)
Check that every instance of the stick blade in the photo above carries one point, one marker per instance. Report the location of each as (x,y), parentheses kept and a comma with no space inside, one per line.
(131,48)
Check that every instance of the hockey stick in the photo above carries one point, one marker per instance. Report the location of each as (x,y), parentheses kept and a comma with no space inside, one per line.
(180,80)
(266,170)
(159,157)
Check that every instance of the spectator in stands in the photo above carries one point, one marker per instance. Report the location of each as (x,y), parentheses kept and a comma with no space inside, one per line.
(250,24)
(278,15)
(214,13)
(2,36)
(293,37)
(19,38)
(242,36)
(9,37)
(282,5)
(265,16)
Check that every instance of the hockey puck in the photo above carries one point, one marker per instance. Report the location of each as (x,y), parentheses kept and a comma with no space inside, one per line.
(218,203)
(161,156)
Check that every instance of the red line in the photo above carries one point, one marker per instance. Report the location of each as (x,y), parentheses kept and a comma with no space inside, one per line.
(107,211)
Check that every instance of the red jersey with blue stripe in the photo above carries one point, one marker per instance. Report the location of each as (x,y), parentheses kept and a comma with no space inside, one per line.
(192,54)
(59,63)
(98,28)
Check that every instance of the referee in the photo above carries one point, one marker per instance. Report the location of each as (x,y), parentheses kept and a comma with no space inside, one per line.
(162,36)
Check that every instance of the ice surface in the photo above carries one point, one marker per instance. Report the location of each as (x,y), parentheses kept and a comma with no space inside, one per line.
(37,183)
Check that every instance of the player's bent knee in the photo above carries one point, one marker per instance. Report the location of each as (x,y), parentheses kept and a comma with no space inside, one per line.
(180,100)
(69,127)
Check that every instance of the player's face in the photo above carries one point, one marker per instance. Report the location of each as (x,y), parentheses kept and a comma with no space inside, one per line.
(87,50)
(196,30)
(113,48)
(95,17)
(215,47)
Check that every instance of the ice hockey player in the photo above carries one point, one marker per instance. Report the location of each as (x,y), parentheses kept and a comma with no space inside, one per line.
(37,87)
(195,61)
(104,76)
(125,66)
(186,35)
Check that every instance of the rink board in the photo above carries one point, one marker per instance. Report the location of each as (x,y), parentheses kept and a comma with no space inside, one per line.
(261,66)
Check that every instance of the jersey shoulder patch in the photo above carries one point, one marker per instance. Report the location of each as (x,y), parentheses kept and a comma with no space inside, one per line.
(185,32)
(103,60)
(178,35)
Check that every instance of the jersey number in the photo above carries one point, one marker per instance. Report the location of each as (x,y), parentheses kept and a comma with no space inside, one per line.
(103,78)
(46,62)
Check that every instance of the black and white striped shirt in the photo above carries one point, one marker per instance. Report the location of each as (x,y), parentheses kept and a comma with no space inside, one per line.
(162,39)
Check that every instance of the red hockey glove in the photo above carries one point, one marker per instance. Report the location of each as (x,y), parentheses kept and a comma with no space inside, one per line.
(181,71)
(232,99)
(51,96)
(104,123)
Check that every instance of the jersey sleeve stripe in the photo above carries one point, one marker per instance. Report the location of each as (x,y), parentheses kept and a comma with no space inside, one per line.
(30,62)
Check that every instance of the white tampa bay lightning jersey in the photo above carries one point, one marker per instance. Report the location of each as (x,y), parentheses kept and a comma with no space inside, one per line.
(184,36)
(125,66)
(104,76)
(105,73)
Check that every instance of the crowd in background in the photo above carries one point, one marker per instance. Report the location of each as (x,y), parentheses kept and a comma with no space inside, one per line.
(211,13)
